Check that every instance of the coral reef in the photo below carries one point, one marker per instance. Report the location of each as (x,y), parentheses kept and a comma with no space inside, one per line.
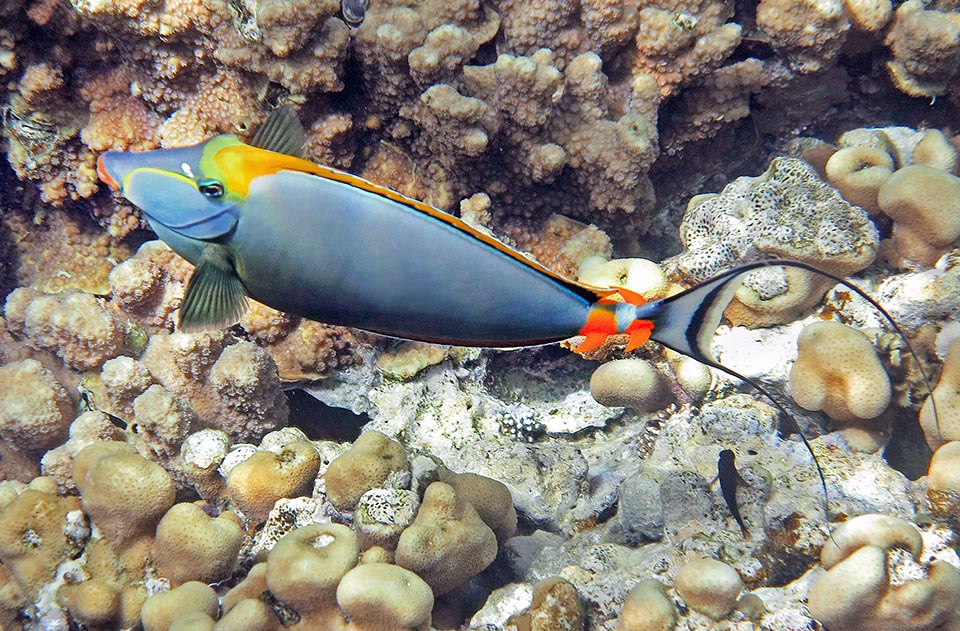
(478,489)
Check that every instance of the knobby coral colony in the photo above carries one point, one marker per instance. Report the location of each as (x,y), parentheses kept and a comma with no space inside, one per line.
(145,462)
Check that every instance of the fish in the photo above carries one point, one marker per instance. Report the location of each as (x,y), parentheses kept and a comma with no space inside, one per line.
(353,11)
(260,221)
(729,481)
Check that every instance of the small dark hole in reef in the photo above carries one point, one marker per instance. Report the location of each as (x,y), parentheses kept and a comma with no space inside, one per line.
(907,450)
(320,421)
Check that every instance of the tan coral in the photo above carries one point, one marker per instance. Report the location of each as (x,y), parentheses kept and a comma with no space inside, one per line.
(233,387)
(384,597)
(160,610)
(924,203)
(679,41)
(632,382)
(944,471)
(123,380)
(837,370)
(647,608)
(35,412)
(258,482)
(149,286)
(448,542)
(369,463)
(35,537)
(76,326)
(940,414)
(858,173)
(860,593)
(935,150)
(193,546)
(124,494)
(808,33)
(926,49)
(709,587)
(490,498)
(306,566)
(90,427)
(601,26)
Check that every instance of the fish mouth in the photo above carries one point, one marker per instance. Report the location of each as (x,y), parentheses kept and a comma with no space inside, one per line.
(104,175)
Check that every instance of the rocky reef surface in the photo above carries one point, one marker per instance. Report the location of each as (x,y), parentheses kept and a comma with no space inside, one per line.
(285,473)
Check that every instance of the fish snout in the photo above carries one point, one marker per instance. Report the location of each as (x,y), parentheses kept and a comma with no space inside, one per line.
(104,161)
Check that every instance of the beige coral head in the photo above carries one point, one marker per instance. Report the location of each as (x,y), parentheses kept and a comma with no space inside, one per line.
(940,414)
(935,150)
(944,471)
(448,542)
(708,586)
(872,586)
(883,531)
(385,597)
(307,564)
(647,608)
(924,204)
(368,463)
(632,382)
(858,173)
(192,546)
(160,610)
(838,371)
(258,482)
(124,493)
(491,499)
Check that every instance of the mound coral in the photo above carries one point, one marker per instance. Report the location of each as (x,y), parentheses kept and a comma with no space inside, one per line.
(192,546)
(75,326)
(231,386)
(925,44)
(924,203)
(838,371)
(448,542)
(384,597)
(633,383)
(369,463)
(647,608)
(708,586)
(35,412)
(942,423)
(874,580)
(258,482)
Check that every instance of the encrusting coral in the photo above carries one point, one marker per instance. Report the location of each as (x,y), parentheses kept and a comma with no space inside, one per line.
(786,212)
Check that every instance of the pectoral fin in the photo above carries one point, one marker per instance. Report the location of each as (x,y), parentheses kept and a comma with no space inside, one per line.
(215,297)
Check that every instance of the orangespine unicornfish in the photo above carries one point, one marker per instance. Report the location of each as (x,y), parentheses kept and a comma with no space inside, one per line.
(257,220)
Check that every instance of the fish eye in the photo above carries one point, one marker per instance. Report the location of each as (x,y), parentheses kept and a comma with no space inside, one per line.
(211,188)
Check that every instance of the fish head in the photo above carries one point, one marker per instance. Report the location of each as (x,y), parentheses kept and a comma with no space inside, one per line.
(184,193)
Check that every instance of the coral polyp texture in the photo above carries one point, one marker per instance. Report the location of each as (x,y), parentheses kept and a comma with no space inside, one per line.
(281,473)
